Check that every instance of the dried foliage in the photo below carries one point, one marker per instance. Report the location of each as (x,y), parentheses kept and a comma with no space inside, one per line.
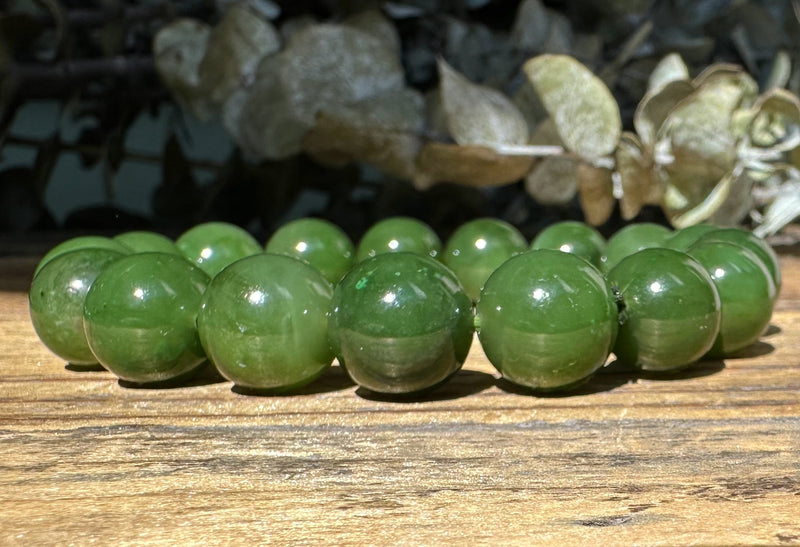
(617,106)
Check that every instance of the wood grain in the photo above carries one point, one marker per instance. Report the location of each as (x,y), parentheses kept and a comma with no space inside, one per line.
(711,456)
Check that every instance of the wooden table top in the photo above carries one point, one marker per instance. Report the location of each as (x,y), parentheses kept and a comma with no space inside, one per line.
(711,456)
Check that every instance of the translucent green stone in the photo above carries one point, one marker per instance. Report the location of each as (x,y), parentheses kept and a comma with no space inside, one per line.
(399,235)
(81,242)
(631,239)
(672,310)
(140,317)
(684,238)
(756,245)
(147,242)
(56,301)
(317,242)
(264,323)
(746,292)
(401,323)
(214,245)
(572,237)
(477,248)
(546,319)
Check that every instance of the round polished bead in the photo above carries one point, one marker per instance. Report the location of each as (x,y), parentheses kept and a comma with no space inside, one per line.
(572,237)
(399,235)
(753,243)
(141,241)
(401,323)
(81,242)
(672,310)
(56,300)
(546,319)
(214,245)
(684,238)
(140,317)
(264,323)
(746,292)
(316,242)
(477,248)
(631,239)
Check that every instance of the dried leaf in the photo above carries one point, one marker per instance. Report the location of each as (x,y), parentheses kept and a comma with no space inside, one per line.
(553,180)
(322,67)
(701,123)
(585,113)
(656,106)
(596,193)
(775,122)
(469,165)
(784,208)
(727,74)
(531,26)
(383,131)
(375,24)
(781,70)
(726,204)
(669,69)
(236,46)
(478,115)
(178,49)
(635,167)
(268,126)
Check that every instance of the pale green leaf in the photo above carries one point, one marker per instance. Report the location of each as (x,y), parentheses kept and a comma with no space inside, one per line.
(655,106)
(479,115)
(583,109)
(669,69)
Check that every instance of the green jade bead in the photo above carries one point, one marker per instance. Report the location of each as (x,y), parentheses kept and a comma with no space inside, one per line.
(316,242)
(478,248)
(672,310)
(140,317)
(632,239)
(572,237)
(56,301)
(141,241)
(401,323)
(547,320)
(264,323)
(81,242)
(756,245)
(746,292)
(399,235)
(684,238)
(214,245)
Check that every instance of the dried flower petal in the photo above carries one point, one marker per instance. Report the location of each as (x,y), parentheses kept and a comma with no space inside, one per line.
(469,165)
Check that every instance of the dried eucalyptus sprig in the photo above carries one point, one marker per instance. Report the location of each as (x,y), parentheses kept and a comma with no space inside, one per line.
(703,149)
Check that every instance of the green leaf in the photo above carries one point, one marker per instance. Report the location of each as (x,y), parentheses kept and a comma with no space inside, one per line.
(584,111)
(479,115)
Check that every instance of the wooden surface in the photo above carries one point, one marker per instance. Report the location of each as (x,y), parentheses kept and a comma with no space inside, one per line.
(711,456)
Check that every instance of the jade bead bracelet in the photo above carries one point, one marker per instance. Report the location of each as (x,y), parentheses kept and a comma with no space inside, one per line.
(401,320)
